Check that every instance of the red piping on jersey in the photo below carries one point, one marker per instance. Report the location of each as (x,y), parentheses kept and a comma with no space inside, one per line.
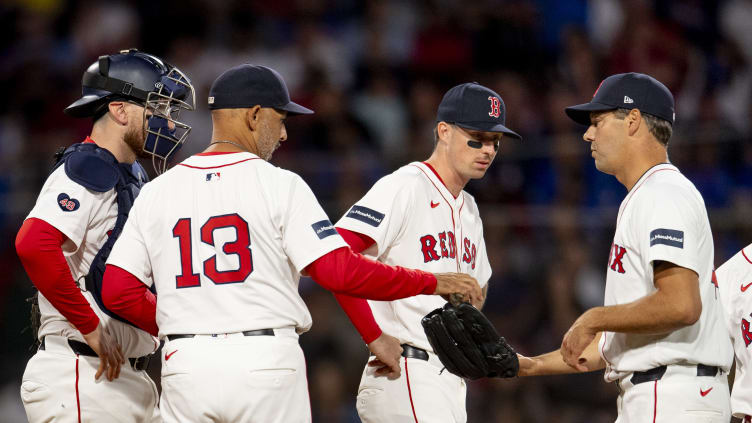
(745,256)
(655,400)
(216,153)
(454,226)
(216,167)
(409,392)
(88,140)
(637,187)
(78,400)
(438,176)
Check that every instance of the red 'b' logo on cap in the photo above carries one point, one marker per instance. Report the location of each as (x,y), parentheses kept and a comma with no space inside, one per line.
(495,107)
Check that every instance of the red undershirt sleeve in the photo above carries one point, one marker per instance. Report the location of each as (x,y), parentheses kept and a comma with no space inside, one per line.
(39,246)
(129,298)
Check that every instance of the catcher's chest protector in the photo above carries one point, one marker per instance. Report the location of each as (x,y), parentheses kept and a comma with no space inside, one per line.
(97,169)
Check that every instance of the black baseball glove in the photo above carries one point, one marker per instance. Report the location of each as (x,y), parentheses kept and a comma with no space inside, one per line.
(467,343)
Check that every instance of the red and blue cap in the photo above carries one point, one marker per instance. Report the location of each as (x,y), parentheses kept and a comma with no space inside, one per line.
(473,106)
(628,91)
(249,85)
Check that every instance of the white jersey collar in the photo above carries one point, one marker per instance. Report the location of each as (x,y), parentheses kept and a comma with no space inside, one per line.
(430,173)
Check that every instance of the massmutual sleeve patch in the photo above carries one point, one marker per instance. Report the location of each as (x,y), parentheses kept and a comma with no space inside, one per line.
(670,237)
(323,229)
(365,215)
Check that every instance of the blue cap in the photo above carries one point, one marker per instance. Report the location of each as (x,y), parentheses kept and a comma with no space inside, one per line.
(629,91)
(473,106)
(250,85)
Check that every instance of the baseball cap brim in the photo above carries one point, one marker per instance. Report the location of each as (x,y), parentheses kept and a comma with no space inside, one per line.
(489,127)
(293,108)
(581,112)
(84,106)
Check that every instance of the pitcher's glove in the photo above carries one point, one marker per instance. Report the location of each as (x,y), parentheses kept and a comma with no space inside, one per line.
(467,343)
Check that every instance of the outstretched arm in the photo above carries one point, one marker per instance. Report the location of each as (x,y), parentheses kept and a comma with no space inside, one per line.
(553,363)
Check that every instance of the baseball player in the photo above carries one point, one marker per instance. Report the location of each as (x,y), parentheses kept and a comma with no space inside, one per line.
(420,216)
(734,278)
(659,336)
(133,99)
(224,237)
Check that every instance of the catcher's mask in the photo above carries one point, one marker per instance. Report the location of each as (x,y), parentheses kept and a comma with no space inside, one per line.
(160,88)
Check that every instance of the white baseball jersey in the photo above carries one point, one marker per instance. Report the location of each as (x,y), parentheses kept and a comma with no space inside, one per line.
(663,218)
(734,281)
(417,223)
(85,217)
(224,237)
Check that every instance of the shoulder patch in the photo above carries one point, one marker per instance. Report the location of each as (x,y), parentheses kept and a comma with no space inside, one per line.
(93,169)
(66,203)
(670,237)
(323,229)
(365,215)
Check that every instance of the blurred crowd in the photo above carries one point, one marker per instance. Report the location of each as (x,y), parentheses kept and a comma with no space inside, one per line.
(374,72)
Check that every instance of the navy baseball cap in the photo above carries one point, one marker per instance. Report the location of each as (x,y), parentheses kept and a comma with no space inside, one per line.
(250,85)
(473,106)
(629,91)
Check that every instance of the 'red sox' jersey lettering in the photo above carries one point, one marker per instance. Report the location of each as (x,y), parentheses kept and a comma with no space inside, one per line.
(446,247)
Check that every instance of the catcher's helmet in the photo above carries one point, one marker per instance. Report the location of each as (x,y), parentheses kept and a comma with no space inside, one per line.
(162,89)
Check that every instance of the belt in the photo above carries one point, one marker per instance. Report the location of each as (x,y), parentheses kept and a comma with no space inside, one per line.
(656,373)
(258,332)
(82,348)
(408,351)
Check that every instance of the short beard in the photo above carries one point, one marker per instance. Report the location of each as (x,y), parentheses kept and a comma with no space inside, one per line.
(266,147)
(135,139)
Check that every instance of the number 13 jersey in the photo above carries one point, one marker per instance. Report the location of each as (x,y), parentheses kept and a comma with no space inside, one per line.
(223,237)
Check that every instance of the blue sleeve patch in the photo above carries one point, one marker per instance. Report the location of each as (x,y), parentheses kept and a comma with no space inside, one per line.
(670,237)
(366,215)
(324,229)
(66,203)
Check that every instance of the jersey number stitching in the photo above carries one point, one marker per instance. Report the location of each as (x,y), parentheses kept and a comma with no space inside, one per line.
(241,247)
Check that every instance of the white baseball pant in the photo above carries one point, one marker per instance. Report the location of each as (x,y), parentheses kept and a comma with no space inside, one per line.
(678,396)
(58,385)
(423,393)
(235,378)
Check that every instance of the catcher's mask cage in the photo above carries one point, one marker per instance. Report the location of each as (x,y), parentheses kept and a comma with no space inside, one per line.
(160,88)
(174,94)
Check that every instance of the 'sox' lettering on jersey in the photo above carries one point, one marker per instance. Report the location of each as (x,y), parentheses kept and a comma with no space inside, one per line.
(366,215)
(670,237)
(617,255)
(746,334)
(323,229)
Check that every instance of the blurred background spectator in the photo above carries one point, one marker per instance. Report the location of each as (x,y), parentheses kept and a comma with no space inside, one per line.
(374,71)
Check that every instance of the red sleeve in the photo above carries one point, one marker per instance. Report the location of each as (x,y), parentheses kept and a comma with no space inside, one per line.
(345,272)
(39,246)
(357,309)
(126,296)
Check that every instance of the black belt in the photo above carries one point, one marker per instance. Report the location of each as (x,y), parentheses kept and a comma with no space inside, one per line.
(408,351)
(657,373)
(82,348)
(258,332)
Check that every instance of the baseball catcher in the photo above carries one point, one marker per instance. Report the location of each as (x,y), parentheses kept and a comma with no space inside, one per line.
(467,343)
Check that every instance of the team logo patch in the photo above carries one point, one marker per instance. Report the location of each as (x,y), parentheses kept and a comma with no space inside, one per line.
(366,215)
(66,203)
(324,229)
(670,237)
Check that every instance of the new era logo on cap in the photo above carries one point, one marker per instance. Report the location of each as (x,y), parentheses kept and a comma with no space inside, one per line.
(628,100)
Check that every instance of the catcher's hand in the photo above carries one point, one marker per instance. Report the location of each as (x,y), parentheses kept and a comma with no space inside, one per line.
(467,343)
